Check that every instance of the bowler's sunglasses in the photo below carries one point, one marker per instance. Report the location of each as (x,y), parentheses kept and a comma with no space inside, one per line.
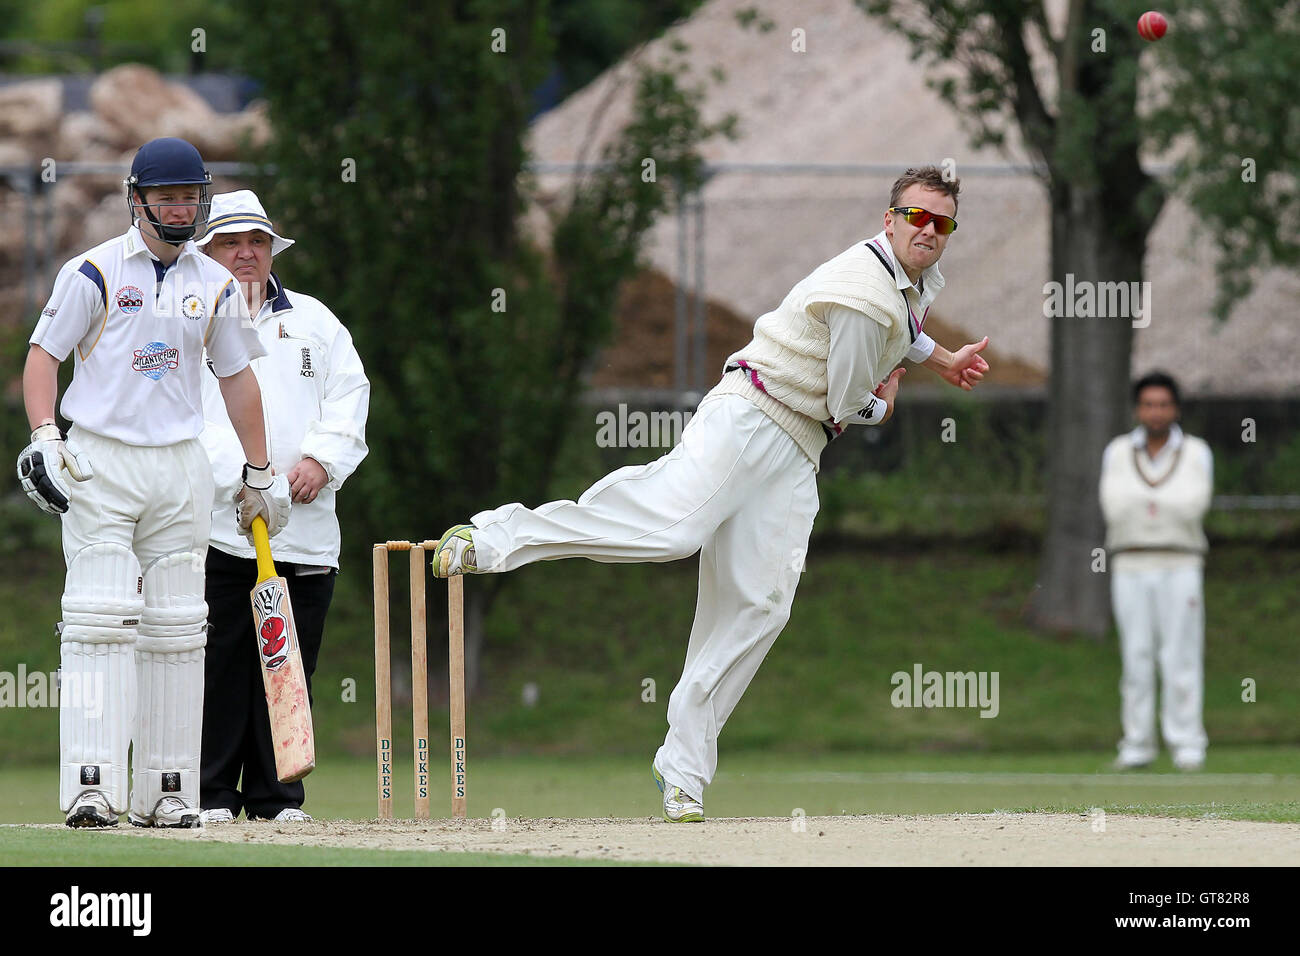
(916,216)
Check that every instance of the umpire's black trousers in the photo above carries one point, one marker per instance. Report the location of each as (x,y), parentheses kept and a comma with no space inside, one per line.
(236,726)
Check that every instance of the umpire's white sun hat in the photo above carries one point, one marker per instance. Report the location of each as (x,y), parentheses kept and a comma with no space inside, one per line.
(241,211)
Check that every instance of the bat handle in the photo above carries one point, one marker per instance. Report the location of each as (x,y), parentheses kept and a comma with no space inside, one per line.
(262,544)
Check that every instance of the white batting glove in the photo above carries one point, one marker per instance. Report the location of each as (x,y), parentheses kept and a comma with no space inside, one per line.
(41,466)
(262,495)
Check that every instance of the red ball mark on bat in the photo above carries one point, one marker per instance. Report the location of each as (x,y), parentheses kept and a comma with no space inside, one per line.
(272,637)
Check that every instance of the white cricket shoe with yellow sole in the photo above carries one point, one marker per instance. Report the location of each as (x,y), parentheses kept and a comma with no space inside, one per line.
(679,806)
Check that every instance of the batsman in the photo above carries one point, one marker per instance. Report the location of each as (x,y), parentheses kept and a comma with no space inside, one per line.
(133,488)
(740,488)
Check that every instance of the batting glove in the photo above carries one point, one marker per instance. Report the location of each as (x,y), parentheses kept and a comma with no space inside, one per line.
(41,466)
(263,495)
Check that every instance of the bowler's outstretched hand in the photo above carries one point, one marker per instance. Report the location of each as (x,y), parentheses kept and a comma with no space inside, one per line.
(968,366)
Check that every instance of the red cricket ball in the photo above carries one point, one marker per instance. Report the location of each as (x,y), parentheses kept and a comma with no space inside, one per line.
(1152,25)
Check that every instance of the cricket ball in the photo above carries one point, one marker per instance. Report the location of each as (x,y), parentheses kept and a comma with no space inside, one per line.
(1152,25)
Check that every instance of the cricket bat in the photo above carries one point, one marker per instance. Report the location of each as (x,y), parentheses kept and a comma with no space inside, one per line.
(283,676)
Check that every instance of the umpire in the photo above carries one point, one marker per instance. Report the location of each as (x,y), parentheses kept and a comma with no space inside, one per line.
(316,399)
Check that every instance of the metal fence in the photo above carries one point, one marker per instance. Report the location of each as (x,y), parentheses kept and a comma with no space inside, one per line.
(35,192)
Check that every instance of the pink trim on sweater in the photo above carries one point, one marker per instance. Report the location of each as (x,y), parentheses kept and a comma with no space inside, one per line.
(753,375)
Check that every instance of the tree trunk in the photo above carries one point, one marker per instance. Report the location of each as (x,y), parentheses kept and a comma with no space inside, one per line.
(1088,401)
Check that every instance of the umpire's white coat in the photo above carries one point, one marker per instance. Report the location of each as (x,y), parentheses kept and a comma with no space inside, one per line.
(315,397)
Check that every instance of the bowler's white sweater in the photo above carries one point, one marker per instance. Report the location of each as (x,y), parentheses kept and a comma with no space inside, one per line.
(791,343)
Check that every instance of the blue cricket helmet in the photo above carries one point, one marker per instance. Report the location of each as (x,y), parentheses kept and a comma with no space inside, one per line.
(169,162)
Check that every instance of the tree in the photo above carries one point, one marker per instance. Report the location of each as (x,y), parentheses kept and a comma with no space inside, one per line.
(398,154)
(1232,103)
(1084,133)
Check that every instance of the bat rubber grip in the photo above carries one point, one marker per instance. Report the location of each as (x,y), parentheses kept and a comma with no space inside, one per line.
(262,544)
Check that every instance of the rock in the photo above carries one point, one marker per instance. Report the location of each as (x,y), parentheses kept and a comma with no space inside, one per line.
(13,226)
(30,111)
(107,219)
(140,105)
(76,200)
(14,154)
(85,137)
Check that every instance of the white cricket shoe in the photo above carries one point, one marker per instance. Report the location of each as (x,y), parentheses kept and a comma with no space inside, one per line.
(292,815)
(1189,763)
(455,552)
(679,806)
(1123,764)
(172,812)
(91,810)
(216,815)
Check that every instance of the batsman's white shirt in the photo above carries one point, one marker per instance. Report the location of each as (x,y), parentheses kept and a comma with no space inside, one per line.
(315,398)
(139,330)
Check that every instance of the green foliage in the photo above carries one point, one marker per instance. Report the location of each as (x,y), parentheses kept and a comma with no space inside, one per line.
(474,342)
(1232,96)
(154,32)
(589,634)
(1226,92)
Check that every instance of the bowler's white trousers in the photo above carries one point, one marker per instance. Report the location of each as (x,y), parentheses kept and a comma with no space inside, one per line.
(1160,613)
(738,490)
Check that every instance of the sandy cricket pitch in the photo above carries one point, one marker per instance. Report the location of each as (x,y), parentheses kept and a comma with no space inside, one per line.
(997,839)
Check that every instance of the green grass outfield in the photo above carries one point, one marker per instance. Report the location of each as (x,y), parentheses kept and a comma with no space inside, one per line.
(602,646)
(1240,783)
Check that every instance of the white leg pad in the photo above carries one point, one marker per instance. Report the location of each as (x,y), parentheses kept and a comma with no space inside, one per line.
(169,663)
(102,603)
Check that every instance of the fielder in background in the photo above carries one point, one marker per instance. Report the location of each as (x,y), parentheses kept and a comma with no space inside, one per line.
(317,398)
(139,310)
(1156,484)
(741,486)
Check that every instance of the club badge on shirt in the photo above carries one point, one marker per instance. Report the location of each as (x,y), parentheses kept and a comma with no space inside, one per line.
(130,299)
(192,306)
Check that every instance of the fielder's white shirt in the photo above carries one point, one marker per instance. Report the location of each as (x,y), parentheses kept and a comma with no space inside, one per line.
(315,399)
(139,330)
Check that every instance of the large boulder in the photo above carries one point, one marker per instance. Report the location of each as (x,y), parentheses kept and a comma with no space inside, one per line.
(29,115)
(87,137)
(140,105)
(108,218)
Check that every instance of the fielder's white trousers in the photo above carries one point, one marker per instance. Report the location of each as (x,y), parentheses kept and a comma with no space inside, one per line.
(1160,613)
(738,490)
